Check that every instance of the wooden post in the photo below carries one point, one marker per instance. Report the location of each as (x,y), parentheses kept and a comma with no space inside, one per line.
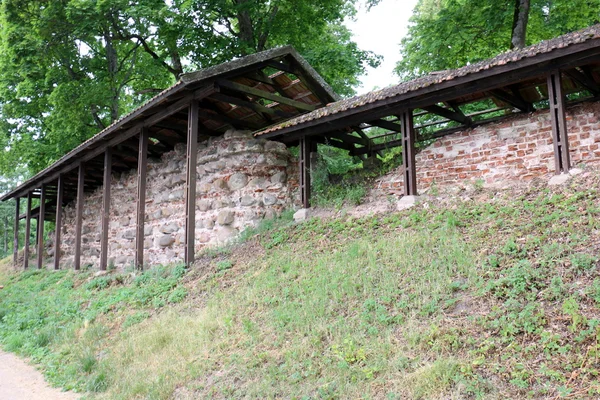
(59,201)
(40,227)
(27,232)
(304,167)
(16,236)
(105,208)
(141,198)
(190,187)
(79,215)
(560,136)
(408,154)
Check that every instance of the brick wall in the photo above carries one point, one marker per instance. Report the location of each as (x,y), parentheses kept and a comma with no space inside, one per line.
(517,149)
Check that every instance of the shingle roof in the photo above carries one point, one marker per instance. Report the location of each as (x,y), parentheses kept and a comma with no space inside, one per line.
(438,77)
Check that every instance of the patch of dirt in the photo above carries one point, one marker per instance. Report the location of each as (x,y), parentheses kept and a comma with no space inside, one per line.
(20,381)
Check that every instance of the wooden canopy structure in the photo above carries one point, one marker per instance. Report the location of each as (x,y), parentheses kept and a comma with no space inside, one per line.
(248,93)
(546,75)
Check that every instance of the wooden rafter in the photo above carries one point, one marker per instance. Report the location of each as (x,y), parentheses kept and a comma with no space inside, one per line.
(584,79)
(452,115)
(237,87)
(514,99)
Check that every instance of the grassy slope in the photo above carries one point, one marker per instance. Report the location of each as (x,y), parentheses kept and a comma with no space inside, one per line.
(496,298)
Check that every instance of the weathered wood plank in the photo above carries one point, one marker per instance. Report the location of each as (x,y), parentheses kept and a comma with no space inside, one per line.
(141,198)
(79,215)
(190,184)
(58,221)
(105,208)
(40,228)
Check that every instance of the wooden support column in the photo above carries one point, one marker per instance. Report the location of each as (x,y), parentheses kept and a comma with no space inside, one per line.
(59,201)
(304,167)
(560,136)
(40,227)
(16,236)
(79,215)
(408,154)
(190,183)
(105,208)
(141,198)
(27,231)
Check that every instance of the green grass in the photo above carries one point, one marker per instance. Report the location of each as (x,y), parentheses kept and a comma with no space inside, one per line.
(492,299)
(61,319)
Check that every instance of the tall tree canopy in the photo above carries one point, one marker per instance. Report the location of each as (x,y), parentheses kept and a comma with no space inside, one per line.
(69,68)
(448,34)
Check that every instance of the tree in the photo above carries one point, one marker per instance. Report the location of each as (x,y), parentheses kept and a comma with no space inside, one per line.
(448,34)
(69,68)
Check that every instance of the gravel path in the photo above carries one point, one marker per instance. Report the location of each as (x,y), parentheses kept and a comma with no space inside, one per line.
(21,381)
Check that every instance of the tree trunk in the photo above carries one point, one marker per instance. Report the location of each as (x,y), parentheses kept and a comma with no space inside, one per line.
(246,29)
(113,68)
(521,17)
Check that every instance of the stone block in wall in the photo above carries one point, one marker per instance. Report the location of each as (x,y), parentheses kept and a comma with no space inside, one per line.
(219,185)
(237,134)
(204,205)
(279,177)
(165,240)
(169,228)
(247,201)
(237,181)
(225,217)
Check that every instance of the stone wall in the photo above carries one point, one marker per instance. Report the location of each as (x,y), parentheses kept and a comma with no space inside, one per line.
(241,180)
(514,150)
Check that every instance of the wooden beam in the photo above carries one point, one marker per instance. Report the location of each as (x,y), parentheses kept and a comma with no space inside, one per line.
(257,108)
(584,80)
(58,221)
(79,215)
(453,115)
(560,136)
(40,227)
(105,208)
(16,232)
(265,95)
(27,231)
(190,183)
(408,154)
(141,198)
(382,123)
(304,168)
(236,123)
(513,99)
(349,139)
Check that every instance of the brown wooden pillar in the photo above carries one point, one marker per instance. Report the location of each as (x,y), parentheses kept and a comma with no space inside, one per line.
(27,232)
(560,136)
(16,233)
(190,186)
(408,154)
(59,200)
(105,208)
(40,227)
(141,198)
(304,167)
(79,215)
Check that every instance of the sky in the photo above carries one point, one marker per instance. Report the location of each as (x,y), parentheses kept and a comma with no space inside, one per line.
(380,30)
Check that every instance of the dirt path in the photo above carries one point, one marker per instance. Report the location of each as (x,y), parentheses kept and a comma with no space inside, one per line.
(20,381)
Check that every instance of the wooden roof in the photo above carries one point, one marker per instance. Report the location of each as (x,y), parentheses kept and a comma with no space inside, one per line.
(248,93)
(514,81)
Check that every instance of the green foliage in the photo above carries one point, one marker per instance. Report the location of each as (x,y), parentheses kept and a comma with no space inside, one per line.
(62,325)
(69,68)
(449,34)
